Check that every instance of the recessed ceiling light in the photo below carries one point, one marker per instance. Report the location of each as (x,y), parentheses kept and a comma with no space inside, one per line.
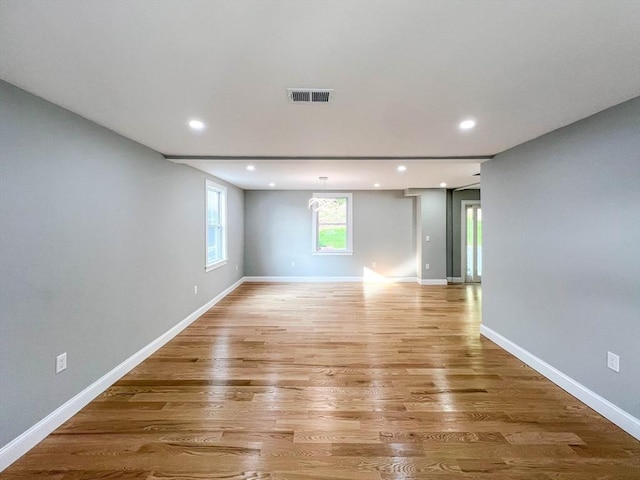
(376,185)
(467,124)
(443,184)
(272,184)
(251,168)
(196,124)
(402,168)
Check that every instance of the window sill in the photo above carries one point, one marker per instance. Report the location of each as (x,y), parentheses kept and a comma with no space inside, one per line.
(215,265)
(342,252)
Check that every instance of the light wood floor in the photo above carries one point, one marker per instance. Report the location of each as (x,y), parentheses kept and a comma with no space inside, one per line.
(335,381)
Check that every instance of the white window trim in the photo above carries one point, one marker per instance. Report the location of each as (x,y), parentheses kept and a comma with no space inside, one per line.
(314,225)
(209,185)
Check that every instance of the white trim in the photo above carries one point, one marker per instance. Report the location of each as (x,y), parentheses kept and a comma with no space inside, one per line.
(329,252)
(216,264)
(432,281)
(310,279)
(454,280)
(604,407)
(301,279)
(402,279)
(34,435)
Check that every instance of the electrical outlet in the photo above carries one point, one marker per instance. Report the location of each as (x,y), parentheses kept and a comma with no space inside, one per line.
(237,268)
(61,362)
(373,264)
(293,264)
(613,362)
(426,266)
(195,289)
(427,238)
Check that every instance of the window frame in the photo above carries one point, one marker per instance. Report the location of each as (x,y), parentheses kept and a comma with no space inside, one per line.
(221,190)
(349,225)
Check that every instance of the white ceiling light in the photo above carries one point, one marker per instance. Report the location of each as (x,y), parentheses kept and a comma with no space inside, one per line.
(443,184)
(272,184)
(251,168)
(467,124)
(318,203)
(196,124)
(402,168)
(376,185)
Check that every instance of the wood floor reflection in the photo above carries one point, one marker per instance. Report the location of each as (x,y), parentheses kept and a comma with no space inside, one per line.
(335,381)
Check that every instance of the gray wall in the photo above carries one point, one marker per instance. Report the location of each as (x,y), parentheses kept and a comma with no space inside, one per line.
(454,240)
(278,232)
(562,250)
(101,243)
(433,223)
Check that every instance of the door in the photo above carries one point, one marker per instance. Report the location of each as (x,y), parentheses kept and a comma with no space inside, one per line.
(473,244)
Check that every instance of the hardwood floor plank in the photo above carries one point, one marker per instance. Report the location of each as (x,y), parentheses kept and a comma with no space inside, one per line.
(333,436)
(544,438)
(335,381)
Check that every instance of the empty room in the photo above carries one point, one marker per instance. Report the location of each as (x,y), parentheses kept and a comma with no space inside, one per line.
(319,240)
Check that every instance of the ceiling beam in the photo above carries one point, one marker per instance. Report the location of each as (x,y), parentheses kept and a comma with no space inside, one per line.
(321,157)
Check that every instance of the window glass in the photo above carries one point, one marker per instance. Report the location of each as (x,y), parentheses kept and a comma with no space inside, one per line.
(332,232)
(215,225)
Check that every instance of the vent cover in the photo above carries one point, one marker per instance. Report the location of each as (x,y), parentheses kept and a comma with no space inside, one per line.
(309,95)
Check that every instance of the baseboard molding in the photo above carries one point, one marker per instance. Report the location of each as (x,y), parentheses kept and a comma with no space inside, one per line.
(604,407)
(455,280)
(284,279)
(34,435)
(311,279)
(432,281)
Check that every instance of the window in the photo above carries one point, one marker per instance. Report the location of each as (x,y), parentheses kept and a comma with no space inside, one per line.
(216,226)
(332,215)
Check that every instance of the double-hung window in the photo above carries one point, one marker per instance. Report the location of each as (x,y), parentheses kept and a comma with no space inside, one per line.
(216,225)
(332,217)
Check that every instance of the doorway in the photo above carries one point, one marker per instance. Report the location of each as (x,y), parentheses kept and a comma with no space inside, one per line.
(471,242)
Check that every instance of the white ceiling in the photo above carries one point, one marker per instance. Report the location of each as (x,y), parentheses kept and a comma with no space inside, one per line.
(342,174)
(405,73)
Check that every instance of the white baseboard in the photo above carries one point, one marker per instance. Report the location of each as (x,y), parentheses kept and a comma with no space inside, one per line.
(432,281)
(311,279)
(283,279)
(403,279)
(604,407)
(34,435)
(455,280)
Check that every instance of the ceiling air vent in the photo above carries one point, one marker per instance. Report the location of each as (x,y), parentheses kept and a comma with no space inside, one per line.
(309,95)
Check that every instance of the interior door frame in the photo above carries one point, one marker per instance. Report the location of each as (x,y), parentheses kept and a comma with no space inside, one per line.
(463,236)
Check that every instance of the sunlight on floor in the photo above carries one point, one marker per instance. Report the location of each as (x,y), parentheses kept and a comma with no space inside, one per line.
(374,282)
(370,276)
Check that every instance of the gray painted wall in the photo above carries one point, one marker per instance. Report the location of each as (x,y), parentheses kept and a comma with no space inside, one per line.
(278,232)
(101,243)
(562,250)
(433,222)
